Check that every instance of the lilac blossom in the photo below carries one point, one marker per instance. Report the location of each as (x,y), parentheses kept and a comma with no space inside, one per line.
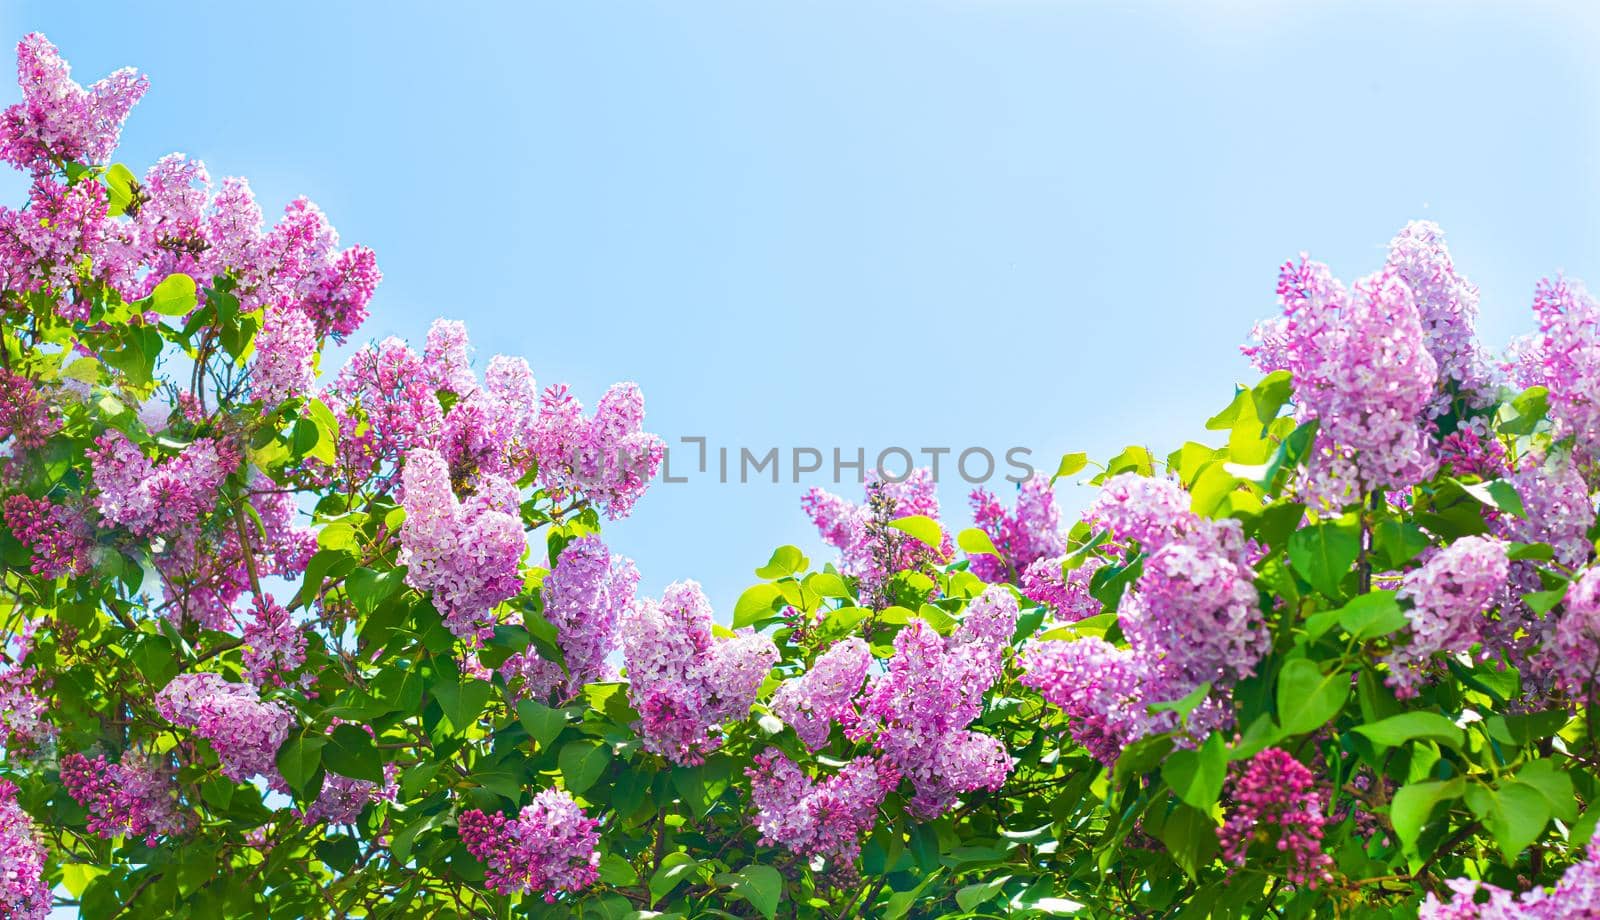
(1450,598)
(584,597)
(24,895)
(244,731)
(1276,799)
(813,702)
(817,817)
(549,848)
(59,121)
(1026,534)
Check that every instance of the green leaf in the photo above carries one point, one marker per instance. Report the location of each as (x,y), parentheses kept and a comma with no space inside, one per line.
(120,186)
(582,763)
(543,723)
(1554,784)
(462,702)
(174,296)
(924,528)
(975,542)
(1271,393)
(1197,775)
(1323,554)
(1497,494)
(1542,602)
(786,560)
(675,868)
(615,871)
(1414,802)
(1515,814)
(1186,705)
(1190,837)
(300,757)
(368,589)
(1308,698)
(755,604)
(980,893)
(351,753)
(1413,726)
(761,885)
(1070,464)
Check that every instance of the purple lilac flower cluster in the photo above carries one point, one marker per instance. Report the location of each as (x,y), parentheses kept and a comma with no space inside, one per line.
(1027,534)
(918,712)
(465,553)
(133,798)
(244,731)
(682,679)
(1447,305)
(584,597)
(1362,369)
(870,550)
(149,497)
(1193,617)
(548,848)
(57,537)
(24,895)
(1576,895)
(826,694)
(817,817)
(1451,596)
(1276,799)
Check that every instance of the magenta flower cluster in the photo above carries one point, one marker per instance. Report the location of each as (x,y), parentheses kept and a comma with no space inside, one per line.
(825,695)
(465,553)
(1451,596)
(1275,802)
(1564,357)
(57,537)
(823,818)
(1576,895)
(917,713)
(133,798)
(1362,369)
(584,597)
(244,732)
(682,679)
(59,121)
(1028,533)
(547,849)
(870,550)
(149,497)
(274,646)
(24,895)
(1447,305)
(1192,618)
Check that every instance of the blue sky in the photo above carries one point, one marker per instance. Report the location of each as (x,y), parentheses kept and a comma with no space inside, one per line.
(872,224)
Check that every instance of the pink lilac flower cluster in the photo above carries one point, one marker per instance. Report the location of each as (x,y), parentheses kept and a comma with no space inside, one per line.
(1451,596)
(1465,452)
(386,400)
(342,798)
(1448,307)
(172,224)
(825,695)
(1576,895)
(918,712)
(1193,617)
(1276,801)
(1027,534)
(465,553)
(26,418)
(607,458)
(24,724)
(1564,357)
(58,538)
(1557,506)
(817,817)
(870,550)
(24,895)
(584,597)
(274,646)
(548,848)
(204,571)
(1065,591)
(684,681)
(133,798)
(286,354)
(1100,687)
(59,121)
(1362,370)
(150,497)
(244,731)
(1573,651)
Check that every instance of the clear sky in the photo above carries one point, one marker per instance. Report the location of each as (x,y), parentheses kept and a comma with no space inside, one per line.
(870,224)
